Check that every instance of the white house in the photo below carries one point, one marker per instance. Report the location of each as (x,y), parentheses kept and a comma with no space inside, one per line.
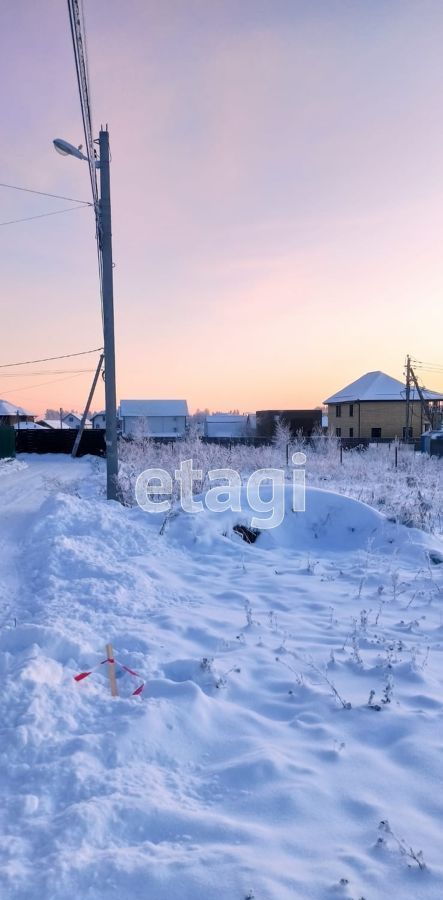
(226,425)
(98,420)
(153,418)
(73,420)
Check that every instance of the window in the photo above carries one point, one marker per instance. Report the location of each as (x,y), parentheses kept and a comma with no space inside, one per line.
(408,436)
(338,410)
(351,410)
(351,432)
(338,432)
(375,433)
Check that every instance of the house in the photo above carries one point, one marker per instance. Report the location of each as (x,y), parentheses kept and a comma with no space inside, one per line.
(227,425)
(300,421)
(73,420)
(153,418)
(11,414)
(98,420)
(374,407)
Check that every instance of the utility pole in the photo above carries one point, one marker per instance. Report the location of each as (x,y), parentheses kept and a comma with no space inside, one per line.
(408,397)
(426,414)
(87,407)
(108,317)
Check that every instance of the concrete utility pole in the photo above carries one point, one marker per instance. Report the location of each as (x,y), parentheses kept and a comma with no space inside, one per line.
(87,408)
(108,318)
(408,398)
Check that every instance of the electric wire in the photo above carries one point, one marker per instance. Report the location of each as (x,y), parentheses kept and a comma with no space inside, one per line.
(44,372)
(79,42)
(31,362)
(55,212)
(30,387)
(15,187)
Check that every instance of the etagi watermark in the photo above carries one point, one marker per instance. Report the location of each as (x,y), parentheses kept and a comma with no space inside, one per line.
(266,491)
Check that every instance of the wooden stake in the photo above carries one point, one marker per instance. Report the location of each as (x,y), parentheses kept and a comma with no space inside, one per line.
(111,670)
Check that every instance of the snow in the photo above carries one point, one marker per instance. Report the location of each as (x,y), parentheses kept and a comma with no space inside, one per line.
(238,772)
(55,424)
(377,386)
(29,426)
(9,409)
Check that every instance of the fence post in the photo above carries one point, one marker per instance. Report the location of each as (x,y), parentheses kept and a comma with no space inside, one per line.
(396,457)
(341,454)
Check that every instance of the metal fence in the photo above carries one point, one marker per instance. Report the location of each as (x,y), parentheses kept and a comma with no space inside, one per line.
(57,440)
(7,442)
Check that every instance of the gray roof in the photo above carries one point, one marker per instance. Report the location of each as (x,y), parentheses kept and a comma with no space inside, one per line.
(145,408)
(377,386)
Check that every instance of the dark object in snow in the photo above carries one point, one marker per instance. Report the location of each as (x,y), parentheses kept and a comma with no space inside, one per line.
(435,558)
(249,535)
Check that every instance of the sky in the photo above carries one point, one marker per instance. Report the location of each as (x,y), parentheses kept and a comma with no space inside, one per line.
(277,198)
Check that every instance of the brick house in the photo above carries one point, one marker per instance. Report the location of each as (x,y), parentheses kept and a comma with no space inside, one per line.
(374,408)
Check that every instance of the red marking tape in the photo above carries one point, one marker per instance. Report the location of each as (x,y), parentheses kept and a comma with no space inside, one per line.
(135,693)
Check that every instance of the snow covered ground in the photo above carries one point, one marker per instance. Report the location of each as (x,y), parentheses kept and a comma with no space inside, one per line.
(252,765)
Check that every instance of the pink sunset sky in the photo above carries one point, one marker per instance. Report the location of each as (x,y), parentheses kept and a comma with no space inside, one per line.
(277,196)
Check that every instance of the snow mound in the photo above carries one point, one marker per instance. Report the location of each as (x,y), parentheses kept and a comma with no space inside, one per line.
(331,523)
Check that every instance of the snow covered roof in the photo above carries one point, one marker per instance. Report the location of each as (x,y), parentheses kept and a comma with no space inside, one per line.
(10,409)
(224,418)
(27,426)
(377,386)
(153,408)
(101,413)
(53,423)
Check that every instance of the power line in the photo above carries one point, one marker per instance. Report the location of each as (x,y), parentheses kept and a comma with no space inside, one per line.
(44,215)
(45,372)
(76,21)
(79,43)
(30,362)
(15,187)
(30,387)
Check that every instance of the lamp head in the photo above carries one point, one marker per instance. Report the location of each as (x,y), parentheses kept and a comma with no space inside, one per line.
(67,149)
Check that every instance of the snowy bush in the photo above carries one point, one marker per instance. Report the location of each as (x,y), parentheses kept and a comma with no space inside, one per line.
(412,492)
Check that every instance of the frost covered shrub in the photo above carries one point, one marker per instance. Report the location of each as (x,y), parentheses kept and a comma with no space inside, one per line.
(412,492)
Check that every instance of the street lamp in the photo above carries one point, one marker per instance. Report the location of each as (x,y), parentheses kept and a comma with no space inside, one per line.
(105,249)
(67,149)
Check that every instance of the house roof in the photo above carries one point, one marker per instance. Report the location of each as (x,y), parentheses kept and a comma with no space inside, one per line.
(101,413)
(225,418)
(145,408)
(11,409)
(74,415)
(377,386)
(30,426)
(53,423)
